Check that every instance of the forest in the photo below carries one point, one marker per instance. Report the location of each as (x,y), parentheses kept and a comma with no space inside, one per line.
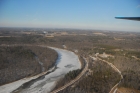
(124,46)
(100,79)
(18,62)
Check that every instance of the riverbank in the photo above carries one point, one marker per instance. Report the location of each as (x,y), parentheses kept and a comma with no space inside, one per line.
(65,58)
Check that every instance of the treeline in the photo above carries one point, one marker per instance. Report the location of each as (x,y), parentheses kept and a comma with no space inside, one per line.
(18,62)
(22,39)
(73,41)
(67,78)
(133,53)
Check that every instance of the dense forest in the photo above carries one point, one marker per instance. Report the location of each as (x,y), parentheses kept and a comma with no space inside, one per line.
(67,78)
(18,62)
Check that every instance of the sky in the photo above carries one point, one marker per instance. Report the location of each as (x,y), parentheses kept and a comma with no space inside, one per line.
(79,14)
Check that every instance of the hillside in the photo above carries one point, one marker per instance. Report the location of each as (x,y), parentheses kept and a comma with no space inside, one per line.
(18,62)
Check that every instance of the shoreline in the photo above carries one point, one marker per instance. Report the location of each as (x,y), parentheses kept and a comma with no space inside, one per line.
(68,58)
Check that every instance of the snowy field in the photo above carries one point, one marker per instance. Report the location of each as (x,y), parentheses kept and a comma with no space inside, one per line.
(66,61)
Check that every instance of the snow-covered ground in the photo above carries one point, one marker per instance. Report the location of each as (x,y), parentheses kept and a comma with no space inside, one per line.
(66,61)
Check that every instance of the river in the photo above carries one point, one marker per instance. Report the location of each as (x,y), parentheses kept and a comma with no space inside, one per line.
(66,62)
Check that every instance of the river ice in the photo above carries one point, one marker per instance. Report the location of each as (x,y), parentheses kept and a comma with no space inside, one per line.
(66,61)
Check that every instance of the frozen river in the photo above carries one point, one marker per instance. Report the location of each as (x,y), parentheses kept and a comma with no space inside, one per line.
(44,84)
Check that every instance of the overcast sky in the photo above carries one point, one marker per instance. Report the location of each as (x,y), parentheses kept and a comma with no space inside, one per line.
(81,14)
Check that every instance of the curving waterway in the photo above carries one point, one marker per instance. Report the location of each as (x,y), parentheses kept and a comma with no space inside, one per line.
(44,83)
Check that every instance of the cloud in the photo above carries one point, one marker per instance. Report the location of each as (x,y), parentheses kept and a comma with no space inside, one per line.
(138,6)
